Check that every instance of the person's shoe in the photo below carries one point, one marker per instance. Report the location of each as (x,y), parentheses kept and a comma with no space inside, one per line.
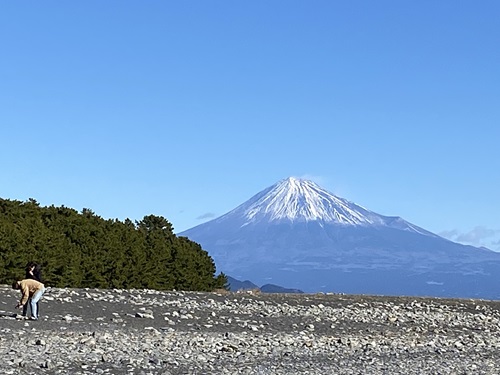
(32,318)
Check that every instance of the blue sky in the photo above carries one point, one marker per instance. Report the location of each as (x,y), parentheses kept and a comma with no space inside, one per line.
(187,109)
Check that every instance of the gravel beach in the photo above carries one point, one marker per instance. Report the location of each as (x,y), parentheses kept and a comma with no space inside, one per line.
(89,331)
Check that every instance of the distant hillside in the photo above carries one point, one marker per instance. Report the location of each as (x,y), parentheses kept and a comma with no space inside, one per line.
(80,249)
(237,285)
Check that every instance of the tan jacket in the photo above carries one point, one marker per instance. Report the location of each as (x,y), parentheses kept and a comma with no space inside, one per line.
(28,288)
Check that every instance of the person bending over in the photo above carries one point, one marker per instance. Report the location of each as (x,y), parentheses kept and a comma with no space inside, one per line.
(31,290)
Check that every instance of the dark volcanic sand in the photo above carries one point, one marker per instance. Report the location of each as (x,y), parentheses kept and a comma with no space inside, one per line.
(88,331)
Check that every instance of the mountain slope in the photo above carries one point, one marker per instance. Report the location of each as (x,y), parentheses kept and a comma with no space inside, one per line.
(297,234)
(295,200)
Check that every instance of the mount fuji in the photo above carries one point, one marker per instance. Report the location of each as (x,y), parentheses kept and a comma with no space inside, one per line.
(297,234)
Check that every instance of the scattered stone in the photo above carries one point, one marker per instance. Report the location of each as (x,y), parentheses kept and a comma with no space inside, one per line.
(92,331)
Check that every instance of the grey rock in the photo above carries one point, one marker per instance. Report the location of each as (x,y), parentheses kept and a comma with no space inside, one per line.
(97,331)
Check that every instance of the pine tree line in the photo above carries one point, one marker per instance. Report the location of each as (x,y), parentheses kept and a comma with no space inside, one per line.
(83,250)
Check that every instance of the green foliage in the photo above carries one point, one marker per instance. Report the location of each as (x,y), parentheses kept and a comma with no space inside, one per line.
(82,250)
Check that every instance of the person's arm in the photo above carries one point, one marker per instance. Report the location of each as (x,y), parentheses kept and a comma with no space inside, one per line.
(25,295)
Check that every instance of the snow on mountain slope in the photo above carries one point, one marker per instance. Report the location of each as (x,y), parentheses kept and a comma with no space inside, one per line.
(298,200)
(297,234)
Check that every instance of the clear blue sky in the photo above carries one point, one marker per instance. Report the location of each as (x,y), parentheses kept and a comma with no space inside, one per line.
(185,109)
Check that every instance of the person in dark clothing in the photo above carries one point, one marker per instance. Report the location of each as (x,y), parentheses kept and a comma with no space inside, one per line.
(33,271)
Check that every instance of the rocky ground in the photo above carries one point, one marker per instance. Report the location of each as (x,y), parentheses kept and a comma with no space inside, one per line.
(87,331)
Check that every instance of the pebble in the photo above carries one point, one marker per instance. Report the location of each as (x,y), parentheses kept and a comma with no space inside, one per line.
(91,331)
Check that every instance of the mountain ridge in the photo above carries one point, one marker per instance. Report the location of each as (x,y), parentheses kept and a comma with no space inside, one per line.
(281,236)
(299,200)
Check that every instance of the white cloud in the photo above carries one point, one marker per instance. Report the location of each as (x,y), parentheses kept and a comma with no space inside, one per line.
(478,236)
(208,215)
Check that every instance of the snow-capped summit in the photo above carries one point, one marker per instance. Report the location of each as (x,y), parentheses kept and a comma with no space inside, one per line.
(297,199)
(296,233)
